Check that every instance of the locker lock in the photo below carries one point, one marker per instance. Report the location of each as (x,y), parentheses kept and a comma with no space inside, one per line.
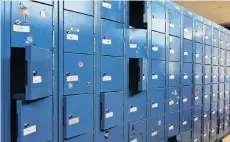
(106,134)
(67,31)
(107,111)
(17,22)
(26,125)
(29,39)
(153,16)
(70,117)
(131,41)
(35,73)
(131,106)
(22,5)
(104,37)
(104,74)
(67,74)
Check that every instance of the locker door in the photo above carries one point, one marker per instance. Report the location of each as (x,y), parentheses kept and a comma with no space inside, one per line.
(215,57)
(186,136)
(188,74)
(157,129)
(221,127)
(188,27)
(112,38)
(157,101)
(221,91)
(214,92)
(227,58)
(208,54)
(113,10)
(188,51)
(226,124)
(31,21)
(174,23)
(197,121)
(158,18)
(198,74)
(198,31)
(227,37)
(186,120)
(215,74)
(207,35)
(174,73)
(208,74)
(206,132)
(173,99)
(206,114)
(198,53)
(198,95)
(222,40)
(111,109)
(78,33)
(187,97)
(76,121)
(82,138)
(222,74)
(227,74)
(207,94)
(111,74)
(213,132)
(85,7)
(158,46)
(174,48)
(114,134)
(215,37)
(222,57)
(34,120)
(137,131)
(158,73)
(78,73)
(221,108)
(173,124)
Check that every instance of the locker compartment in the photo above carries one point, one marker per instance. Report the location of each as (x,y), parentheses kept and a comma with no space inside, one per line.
(174,48)
(174,73)
(186,136)
(222,40)
(112,38)
(85,7)
(222,74)
(198,74)
(221,108)
(173,99)
(208,74)
(215,73)
(113,10)
(78,73)
(215,37)
(198,95)
(76,121)
(227,78)
(186,12)
(78,32)
(31,25)
(226,108)
(213,133)
(227,86)
(208,54)
(197,121)
(111,109)
(227,37)
(188,51)
(215,56)
(214,92)
(198,53)
(188,27)
(227,60)
(221,91)
(173,124)
(226,124)
(173,6)
(226,93)
(188,74)
(114,134)
(111,76)
(158,46)
(207,34)
(222,57)
(82,138)
(186,120)
(158,18)
(157,101)
(156,130)
(220,127)
(198,31)
(137,131)
(214,118)
(31,75)
(206,132)
(158,73)
(137,45)
(136,107)
(214,106)
(31,119)
(187,97)
(174,23)
(207,94)
(206,114)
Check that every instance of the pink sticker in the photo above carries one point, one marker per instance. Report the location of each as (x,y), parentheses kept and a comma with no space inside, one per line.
(80,64)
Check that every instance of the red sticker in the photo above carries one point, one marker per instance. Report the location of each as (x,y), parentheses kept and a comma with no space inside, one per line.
(80,64)
(197,89)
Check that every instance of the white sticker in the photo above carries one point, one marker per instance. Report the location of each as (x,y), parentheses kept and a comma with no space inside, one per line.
(185,76)
(106,41)
(205,135)
(227,44)
(214,58)
(206,56)
(213,112)
(43,13)
(206,76)
(74,120)
(214,76)
(213,94)
(197,55)
(185,100)
(106,5)
(154,105)
(185,30)
(226,108)
(196,118)
(37,79)
(206,37)
(154,133)
(154,48)
(171,51)
(225,123)
(29,130)
(227,118)
(171,76)
(75,29)
(214,40)
(143,77)
(195,140)
(221,93)
(132,45)
(220,110)
(171,127)
(197,76)
(206,96)
(227,76)
(155,20)
(72,78)
(205,115)
(196,98)
(109,115)
(171,25)
(155,76)
(171,102)
(226,92)
(19,28)
(107,78)
(185,53)
(72,37)
(227,60)
(213,130)
(184,122)
(221,42)
(133,109)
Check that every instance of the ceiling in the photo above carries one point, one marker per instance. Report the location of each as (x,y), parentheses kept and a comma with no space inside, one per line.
(217,11)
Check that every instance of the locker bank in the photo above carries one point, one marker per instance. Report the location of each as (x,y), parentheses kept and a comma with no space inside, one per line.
(112,71)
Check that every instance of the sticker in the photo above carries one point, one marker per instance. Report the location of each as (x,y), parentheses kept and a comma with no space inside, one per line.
(184,122)
(134,140)
(205,135)
(29,130)
(133,109)
(155,76)
(154,48)
(72,78)
(206,56)
(205,96)
(106,5)
(213,112)
(171,51)
(220,110)
(75,29)
(154,133)
(171,102)
(106,41)
(154,105)
(213,94)
(214,76)
(226,92)
(220,93)
(213,130)
(214,40)
(226,108)
(185,30)
(19,28)
(155,20)
(74,120)
(221,42)
(70,85)
(225,123)
(227,60)
(132,45)
(171,76)
(196,118)
(171,127)
(72,37)
(195,140)
(80,64)
(37,79)
(43,13)
(206,37)
(159,123)
(205,115)
(214,58)
(107,78)
(196,98)
(227,44)
(171,25)
(197,55)
(185,100)
(185,53)
(197,76)
(227,118)
(185,76)
(227,76)
(206,76)
(109,115)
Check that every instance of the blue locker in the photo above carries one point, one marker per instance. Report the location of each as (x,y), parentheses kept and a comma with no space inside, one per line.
(226,108)
(186,123)
(82,138)
(137,131)
(188,27)
(214,107)
(188,51)
(186,12)
(198,95)
(207,94)
(187,97)
(174,73)
(227,41)
(222,74)
(206,114)
(222,57)
(76,121)
(50,2)
(198,55)
(214,92)
(34,122)
(207,34)
(208,74)
(215,55)
(156,129)
(78,33)
(188,74)
(136,107)
(226,92)
(113,10)
(114,134)
(197,122)
(198,74)
(213,133)
(208,54)
(158,18)
(157,101)
(186,136)
(173,124)
(198,18)
(85,7)
(227,61)
(174,48)
(174,99)
(221,91)
(158,46)
(111,73)
(215,73)
(226,124)
(158,73)
(137,45)
(222,40)
(198,31)
(206,132)
(173,6)
(227,78)
(221,108)
(174,23)
(220,127)
(111,109)
(215,37)
(112,38)
(78,73)
(30,22)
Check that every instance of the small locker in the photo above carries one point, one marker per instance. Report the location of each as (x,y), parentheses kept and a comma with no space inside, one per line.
(198,74)
(222,40)
(214,92)
(208,74)
(206,113)
(188,27)
(114,134)
(113,10)
(158,18)
(198,95)
(158,73)
(156,129)
(207,94)
(215,73)
(197,122)
(174,99)
(208,54)
(198,55)
(187,97)
(174,23)
(215,39)
(186,122)
(173,124)
(188,50)
(198,31)
(222,74)
(82,138)
(206,132)
(221,91)
(222,57)
(157,101)
(137,131)
(207,34)
(158,46)
(174,74)
(215,56)
(188,74)
(174,48)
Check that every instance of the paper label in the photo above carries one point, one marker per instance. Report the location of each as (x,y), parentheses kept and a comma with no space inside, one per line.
(154,48)
(37,79)
(154,76)
(171,102)
(154,133)
(171,127)
(171,76)
(205,115)
(107,78)
(197,55)
(185,76)
(155,20)
(171,25)
(72,37)
(185,100)
(226,108)
(184,122)
(206,56)
(106,5)
(133,109)
(227,76)
(185,30)
(196,98)
(206,76)
(214,76)
(196,118)
(206,37)
(106,41)
(221,42)
(29,130)
(109,115)
(227,44)
(213,130)
(143,77)
(72,78)
(154,105)
(225,123)
(19,28)
(74,120)
(172,51)
(185,53)
(214,58)
(205,135)
(226,92)
(133,45)
(197,76)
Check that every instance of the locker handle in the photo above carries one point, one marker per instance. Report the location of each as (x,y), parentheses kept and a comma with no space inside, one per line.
(70,117)
(35,73)
(68,31)
(104,37)
(26,125)
(106,134)
(17,22)
(104,74)
(68,74)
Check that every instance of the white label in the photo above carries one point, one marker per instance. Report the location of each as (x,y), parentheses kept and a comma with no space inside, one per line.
(185,100)
(74,121)
(43,13)
(213,112)
(184,122)
(106,5)
(205,115)
(197,55)
(155,48)
(220,110)
(195,139)
(206,56)
(171,102)
(214,94)
(143,77)
(171,127)
(214,58)
(72,78)
(133,109)
(172,51)
(154,133)
(171,25)
(185,53)
(197,76)
(226,92)
(171,76)
(227,44)
(37,79)
(154,76)
(196,118)
(154,105)
(226,108)
(214,76)
(206,96)
(75,29)
(19,28)
(213,130)
(205,135)
(185,76)
(29,130)
(133,45)
(185,30)
(72,37)
(214,40)
(227,118)
(106,41)
(221,42)
(220,93)
(206,37)
(196,98)
(155,20)
(227,76)
(109,115)
(206,76)
(107,78)
(227,60)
